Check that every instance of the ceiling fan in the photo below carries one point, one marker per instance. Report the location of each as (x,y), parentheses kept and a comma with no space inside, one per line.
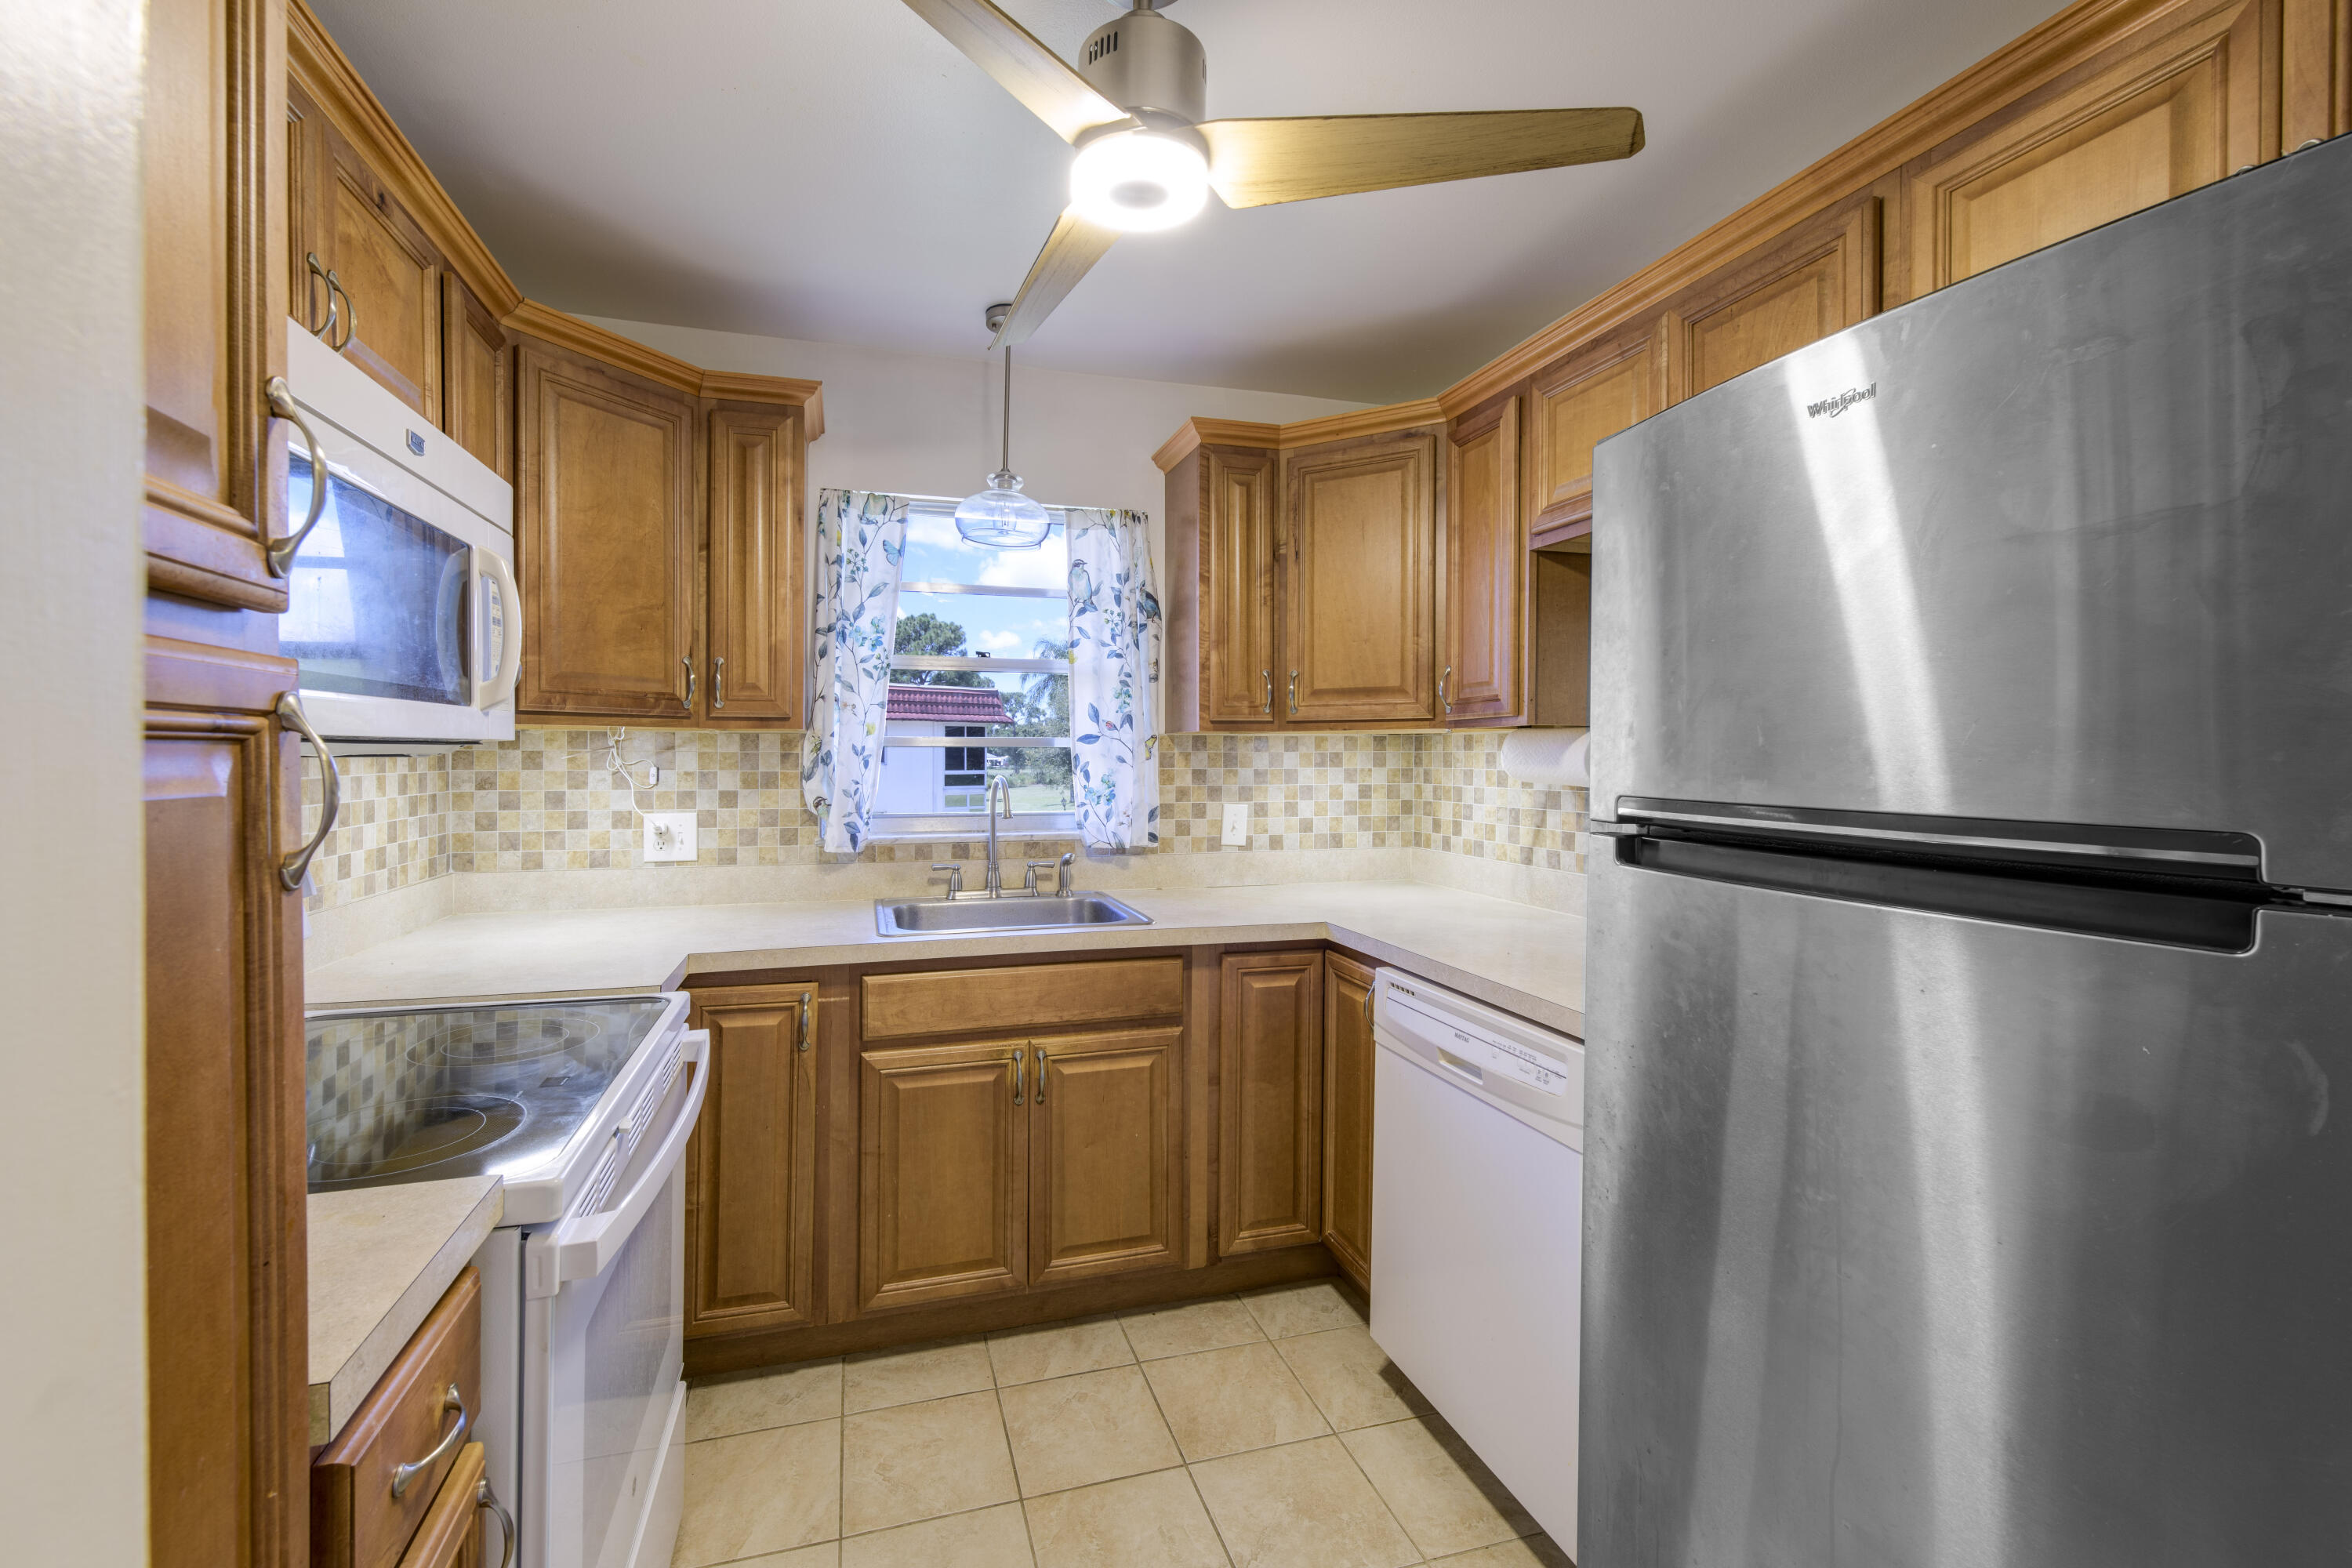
(1135,107)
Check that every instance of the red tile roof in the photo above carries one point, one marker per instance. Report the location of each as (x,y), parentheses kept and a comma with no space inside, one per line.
(949,704)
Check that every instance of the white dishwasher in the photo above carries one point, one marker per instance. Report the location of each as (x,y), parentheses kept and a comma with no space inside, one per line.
(1477,1187)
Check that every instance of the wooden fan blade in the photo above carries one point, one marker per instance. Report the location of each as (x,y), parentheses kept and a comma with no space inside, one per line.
(1255,163)
(1075,246)
(1046,83)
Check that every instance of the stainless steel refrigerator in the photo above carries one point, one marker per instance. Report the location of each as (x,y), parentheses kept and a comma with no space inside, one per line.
(1969,1170)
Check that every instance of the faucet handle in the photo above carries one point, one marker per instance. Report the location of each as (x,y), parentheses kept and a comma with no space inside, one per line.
(954,869)
(1035,866)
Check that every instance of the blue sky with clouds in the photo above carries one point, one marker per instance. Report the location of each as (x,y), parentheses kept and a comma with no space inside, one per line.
(1006,628)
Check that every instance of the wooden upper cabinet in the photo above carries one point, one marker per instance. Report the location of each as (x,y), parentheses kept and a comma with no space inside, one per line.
(606,536)
(1573,406)
(2148,124)
(390,274)
(1347,1055)
(477,378)
(1821,278)
(942,1171)
(1483,661)
(1358,568)
(1104,1154)
(211,141)
(1269,1089)
(755,615)
(1222,658)
(751,1165)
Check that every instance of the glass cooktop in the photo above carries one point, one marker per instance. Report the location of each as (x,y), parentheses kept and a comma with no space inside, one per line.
(436,1092)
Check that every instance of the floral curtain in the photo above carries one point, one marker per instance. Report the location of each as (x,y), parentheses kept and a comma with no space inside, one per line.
(1114,632)
(860,536)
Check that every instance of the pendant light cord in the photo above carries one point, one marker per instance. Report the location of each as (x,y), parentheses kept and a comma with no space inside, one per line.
(1004,459)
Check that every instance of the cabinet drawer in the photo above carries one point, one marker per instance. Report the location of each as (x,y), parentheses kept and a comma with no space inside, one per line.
(1037,995)
(451,1536)
(355,1520)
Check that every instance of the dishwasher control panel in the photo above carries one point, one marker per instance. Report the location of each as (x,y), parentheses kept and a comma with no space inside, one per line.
(1519,1066)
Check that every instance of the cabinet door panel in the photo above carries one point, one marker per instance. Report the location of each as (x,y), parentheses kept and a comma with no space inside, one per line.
(226,1390)
(477,383)
(1577,404)
(1104,1158)
(942,1189)
(751,1165)
(1348,1115)
(606,536)
(1269,1084)
(1240,681)
(1360,558)
(1482,677)
(755,567)
(2152,125)
(391,279)
(1819,280)
(211,135)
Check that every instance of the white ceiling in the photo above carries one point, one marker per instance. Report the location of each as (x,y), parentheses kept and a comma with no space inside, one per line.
(833,170)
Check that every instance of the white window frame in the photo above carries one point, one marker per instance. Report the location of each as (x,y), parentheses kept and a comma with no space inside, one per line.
(963,826)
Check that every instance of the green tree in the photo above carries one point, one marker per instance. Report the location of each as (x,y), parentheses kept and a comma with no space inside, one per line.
(1042,707)
(925,633)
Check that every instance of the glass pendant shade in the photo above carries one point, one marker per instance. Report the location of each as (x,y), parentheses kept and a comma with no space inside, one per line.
(1001,517)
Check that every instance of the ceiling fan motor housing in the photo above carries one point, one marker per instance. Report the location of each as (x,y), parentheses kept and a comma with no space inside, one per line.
(1145,62)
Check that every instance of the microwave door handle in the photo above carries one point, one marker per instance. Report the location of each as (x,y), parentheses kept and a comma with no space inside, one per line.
(583,1247)
(500,687)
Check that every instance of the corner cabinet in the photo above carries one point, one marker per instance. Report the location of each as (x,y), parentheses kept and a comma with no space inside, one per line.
(1483,572)
(1348,1062)
(1270,1092)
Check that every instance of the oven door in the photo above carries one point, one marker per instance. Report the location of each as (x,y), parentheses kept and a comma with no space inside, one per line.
(402,608)
(603,1396)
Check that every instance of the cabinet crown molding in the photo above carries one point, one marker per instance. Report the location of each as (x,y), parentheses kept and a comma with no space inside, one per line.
(568,331)
(1196,433)
(327,76)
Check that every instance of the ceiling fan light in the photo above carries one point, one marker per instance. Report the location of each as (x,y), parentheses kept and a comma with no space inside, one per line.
(1001,517)
(1138,180)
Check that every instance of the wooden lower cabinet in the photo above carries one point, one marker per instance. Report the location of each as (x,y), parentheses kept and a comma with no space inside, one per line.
(434,1386)
(943,1157)
(451,1536)
(1104,1154)
(1269,1084)
(1348,1115)
(751,1165)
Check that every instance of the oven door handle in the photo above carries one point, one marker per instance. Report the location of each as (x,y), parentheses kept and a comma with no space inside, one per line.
(581,1247)
(500,687)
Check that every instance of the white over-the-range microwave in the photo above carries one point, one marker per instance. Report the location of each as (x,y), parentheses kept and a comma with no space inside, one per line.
(401,605)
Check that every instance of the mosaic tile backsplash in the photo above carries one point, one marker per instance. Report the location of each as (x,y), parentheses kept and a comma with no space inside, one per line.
(547,800)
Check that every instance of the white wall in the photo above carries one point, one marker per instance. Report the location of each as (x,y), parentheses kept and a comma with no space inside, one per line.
(73,1440)
(917,425)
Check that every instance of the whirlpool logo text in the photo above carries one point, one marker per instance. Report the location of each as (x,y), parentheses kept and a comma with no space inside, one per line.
(1833,407)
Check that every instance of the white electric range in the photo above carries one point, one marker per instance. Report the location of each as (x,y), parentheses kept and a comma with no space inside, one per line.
(584,1106)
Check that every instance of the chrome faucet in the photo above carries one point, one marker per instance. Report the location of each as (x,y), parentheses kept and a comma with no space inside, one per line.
(998,790)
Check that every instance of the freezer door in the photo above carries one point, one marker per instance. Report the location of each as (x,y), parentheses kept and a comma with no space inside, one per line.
(2067,542)
(1919,1240)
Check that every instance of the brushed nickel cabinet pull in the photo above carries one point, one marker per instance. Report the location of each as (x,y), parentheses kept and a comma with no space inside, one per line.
(485,1498)
(1016,1077)
(718,683)
(1368,1007)
(1266,704)
(805,995)
(1443,701)
(1294,694)
(350,314)
(296,862)
(1040,1096)
(687,701)
(325,330)
(404,1475)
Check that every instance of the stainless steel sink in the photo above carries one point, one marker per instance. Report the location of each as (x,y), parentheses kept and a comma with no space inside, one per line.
(1018,911)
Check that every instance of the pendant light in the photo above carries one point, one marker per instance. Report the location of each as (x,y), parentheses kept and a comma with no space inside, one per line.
(1001,517)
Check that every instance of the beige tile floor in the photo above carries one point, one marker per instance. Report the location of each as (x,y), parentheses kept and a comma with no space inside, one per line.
(1258,1431)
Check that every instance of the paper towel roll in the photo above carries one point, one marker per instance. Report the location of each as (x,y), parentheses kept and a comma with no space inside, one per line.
(1548,759)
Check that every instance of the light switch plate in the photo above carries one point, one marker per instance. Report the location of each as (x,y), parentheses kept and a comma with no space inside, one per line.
(1237,823)
(670,835)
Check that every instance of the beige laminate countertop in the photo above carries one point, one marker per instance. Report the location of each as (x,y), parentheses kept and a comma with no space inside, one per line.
(1517,957)
(380,1259)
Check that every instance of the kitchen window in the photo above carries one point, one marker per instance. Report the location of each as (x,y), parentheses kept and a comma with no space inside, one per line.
(980,685)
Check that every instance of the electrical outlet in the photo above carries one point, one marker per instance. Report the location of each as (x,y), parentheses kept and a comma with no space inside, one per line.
(670,835)
(1237,823)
